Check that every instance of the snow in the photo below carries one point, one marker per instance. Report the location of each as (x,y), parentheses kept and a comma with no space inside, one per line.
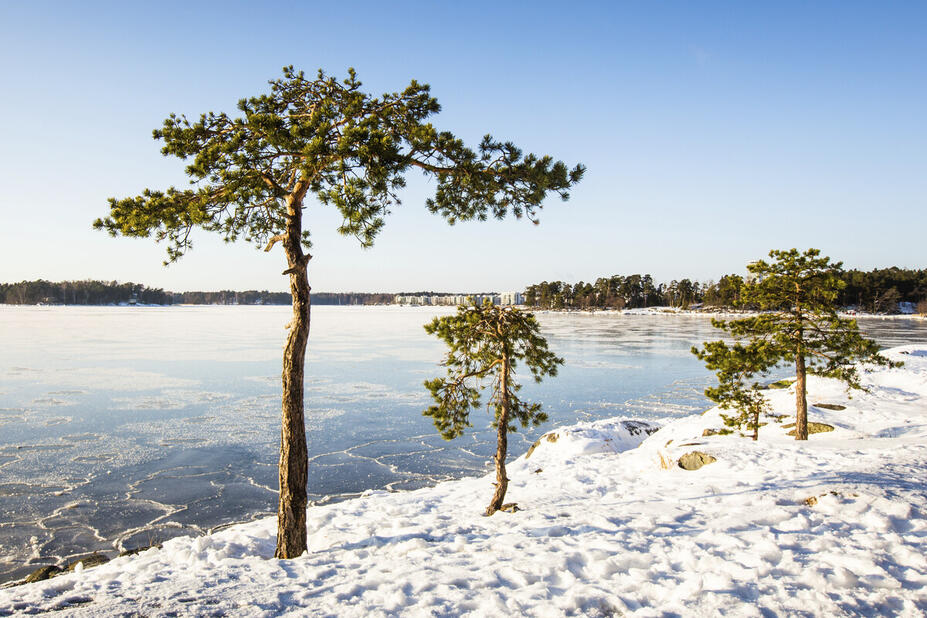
(607,524)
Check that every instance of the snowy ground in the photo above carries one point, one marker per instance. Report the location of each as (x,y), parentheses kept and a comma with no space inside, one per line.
(833,526)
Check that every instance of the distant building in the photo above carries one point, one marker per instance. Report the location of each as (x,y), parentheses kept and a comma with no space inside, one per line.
(415,301)
(506,298)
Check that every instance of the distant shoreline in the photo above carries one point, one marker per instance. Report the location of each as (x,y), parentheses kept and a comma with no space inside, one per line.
(647,311)
(712,312)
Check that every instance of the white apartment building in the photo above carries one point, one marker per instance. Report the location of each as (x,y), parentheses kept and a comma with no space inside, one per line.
(505,298)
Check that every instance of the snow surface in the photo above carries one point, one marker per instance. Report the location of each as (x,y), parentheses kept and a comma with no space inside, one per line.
(836,525)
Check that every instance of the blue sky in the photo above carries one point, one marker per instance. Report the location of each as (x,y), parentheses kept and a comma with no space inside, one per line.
(712,132)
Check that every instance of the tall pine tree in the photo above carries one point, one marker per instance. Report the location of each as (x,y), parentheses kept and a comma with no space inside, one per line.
(796,294)
(323,138)
(486,342)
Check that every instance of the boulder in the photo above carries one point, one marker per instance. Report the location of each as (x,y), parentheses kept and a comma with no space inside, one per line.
(42,573)
(92,560)
(636,428)
(694,460)
(812,428)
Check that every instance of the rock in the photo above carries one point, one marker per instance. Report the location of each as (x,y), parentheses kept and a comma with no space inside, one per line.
(92,560)
(830,406)
(695,460)
(812,500)
(551,437)
(638,427)
(710,432)
(812,428)
(42,573)
(531,448)
(140,549)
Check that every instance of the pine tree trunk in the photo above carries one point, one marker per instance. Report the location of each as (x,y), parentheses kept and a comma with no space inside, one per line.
(294,455)
(502,445)
(801,401)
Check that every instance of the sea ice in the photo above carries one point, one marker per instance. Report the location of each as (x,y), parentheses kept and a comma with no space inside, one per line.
(607,525)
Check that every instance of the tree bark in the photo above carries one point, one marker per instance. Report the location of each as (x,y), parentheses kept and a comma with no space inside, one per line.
(502,441)
(294,455)
(801,401)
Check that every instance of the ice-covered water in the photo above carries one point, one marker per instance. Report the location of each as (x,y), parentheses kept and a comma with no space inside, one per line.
(125,426)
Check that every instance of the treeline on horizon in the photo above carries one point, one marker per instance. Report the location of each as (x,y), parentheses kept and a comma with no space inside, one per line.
(876,291)
(90,292)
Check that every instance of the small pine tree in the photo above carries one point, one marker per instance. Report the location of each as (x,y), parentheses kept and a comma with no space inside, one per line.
(736,366)
(486,342)
(797,296)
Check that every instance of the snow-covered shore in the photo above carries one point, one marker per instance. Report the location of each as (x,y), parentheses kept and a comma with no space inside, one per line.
(833,526)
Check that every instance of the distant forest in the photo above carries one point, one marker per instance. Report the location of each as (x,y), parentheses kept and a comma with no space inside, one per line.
(877,291)
(113,293)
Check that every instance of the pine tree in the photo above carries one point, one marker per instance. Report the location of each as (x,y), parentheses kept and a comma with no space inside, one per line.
(736,366)
(797,295)
(486,342)
(327,139)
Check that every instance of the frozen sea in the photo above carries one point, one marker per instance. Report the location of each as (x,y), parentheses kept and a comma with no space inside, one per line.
(120,427)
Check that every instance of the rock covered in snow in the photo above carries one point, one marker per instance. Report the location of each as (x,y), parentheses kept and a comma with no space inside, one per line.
(611,435)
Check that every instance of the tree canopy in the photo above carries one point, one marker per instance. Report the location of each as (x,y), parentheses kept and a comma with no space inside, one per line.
(481,339)
(737,366)
(347,148)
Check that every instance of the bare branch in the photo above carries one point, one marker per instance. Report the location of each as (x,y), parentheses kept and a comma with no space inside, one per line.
(273,241)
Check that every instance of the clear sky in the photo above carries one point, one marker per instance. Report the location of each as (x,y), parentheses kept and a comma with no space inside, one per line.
(712,132)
